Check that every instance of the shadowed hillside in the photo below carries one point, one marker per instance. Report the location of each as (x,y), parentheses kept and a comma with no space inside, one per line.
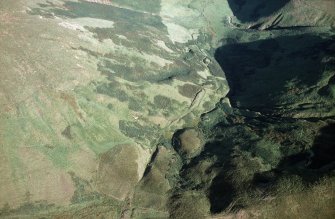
(252,10)
(281,75)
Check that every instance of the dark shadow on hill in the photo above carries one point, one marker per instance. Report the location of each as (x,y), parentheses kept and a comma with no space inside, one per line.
(324,148)
(315,163)
(221,192)
(252,10)
(254,155)
(270,74)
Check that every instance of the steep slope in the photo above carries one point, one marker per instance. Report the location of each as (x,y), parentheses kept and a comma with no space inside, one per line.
(283,13)
(275,145)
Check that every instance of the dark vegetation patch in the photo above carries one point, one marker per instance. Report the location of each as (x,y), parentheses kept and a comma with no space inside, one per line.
(165,104)
(139,29)
(136,130)
(162,102)
(145,5)
(72,9)
(67,132)
(188,90)
(135,105)
(113,90)
(139,38)
(82,192)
